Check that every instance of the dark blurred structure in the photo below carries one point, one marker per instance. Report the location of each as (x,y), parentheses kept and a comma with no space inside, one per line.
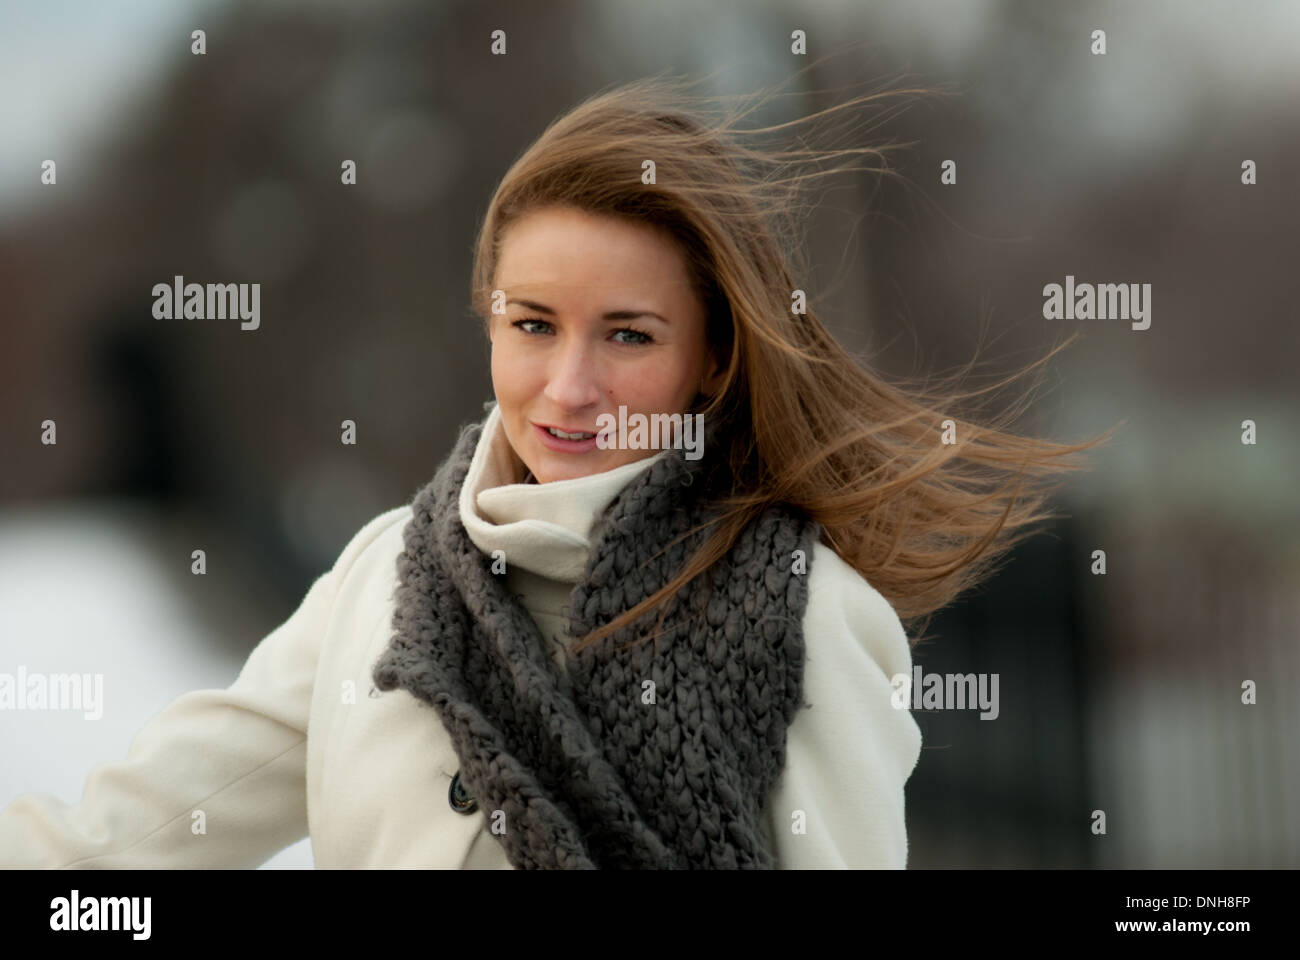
(1027,625)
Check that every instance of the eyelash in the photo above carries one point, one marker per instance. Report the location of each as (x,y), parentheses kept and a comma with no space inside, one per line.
(641,333)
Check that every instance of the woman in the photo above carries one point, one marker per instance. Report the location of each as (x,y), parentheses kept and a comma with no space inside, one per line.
(580,649)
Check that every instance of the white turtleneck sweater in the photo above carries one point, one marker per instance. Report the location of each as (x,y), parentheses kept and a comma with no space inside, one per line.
(294,747)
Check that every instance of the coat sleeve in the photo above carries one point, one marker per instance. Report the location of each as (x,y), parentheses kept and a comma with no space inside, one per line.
(849,751)
(238,755)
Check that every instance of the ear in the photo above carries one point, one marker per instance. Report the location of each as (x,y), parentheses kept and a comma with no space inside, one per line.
(713,375)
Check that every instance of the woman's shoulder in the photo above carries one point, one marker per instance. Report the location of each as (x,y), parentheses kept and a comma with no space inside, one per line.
(841,601)
(379,539)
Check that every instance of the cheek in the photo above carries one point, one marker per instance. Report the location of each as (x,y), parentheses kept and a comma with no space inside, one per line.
(657,383)
(497,364)
(508,370)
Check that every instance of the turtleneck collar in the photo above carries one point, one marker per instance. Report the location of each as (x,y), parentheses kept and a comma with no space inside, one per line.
(540,527)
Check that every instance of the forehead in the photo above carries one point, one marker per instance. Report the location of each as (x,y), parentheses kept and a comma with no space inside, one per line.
(562,249)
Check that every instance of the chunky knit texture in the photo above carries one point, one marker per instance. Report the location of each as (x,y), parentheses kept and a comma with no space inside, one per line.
(578,769)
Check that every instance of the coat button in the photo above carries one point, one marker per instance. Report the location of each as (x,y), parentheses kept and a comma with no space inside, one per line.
(459,797)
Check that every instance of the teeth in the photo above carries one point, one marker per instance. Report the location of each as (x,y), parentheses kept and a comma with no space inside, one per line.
(569,436)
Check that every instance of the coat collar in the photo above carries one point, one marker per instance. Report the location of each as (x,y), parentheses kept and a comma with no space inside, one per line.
(541,527)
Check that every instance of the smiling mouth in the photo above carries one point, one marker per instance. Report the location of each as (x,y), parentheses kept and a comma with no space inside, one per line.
(563,435)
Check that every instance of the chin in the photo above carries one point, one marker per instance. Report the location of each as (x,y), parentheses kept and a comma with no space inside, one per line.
(549,468)
(549,473)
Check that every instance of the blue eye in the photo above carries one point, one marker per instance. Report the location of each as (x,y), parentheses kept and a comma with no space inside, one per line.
(642,338)
(645,338)
(520,324)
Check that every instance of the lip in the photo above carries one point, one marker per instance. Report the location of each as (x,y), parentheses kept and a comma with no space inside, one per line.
(564,446)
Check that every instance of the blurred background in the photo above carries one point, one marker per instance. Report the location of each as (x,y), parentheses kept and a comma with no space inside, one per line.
(1119,692)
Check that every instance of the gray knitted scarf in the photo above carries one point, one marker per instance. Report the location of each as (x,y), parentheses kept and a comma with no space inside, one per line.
(658,755)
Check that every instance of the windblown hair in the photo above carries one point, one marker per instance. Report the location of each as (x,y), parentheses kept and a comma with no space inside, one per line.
(803,423)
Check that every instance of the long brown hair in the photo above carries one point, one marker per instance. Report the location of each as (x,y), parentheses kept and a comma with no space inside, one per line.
(803,423)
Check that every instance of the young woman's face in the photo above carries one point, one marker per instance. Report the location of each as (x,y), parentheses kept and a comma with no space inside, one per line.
(600,314)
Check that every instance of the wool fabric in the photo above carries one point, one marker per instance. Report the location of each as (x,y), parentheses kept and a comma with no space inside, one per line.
(655,754)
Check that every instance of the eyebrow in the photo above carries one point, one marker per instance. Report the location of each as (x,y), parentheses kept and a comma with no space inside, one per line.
(610,315)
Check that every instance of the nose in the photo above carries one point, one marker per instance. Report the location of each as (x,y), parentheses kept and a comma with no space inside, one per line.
(573,382)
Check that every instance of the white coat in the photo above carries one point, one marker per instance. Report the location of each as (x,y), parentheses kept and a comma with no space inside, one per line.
(296,746)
